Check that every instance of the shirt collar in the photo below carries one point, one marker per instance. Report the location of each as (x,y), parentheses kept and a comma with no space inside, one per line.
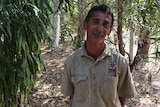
(106,52)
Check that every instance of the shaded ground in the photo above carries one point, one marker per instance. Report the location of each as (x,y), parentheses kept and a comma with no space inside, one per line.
(46,92)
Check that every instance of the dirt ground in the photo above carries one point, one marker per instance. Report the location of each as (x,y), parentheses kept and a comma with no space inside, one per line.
(46,92)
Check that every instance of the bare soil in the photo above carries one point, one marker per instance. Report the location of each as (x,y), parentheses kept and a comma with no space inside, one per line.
(46,92)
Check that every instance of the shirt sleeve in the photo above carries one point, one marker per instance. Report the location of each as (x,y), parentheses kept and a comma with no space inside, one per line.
(126,87)
(66,83)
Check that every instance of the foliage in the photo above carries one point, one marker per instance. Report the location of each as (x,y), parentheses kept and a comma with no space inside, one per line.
(23,25)
(70,18)
(142,13)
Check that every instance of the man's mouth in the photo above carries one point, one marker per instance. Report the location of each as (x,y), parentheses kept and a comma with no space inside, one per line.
(97,34)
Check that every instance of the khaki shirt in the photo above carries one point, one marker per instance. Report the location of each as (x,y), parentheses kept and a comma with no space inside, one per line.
(97,83)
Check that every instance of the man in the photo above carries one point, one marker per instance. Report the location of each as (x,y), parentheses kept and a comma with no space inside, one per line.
(94,75)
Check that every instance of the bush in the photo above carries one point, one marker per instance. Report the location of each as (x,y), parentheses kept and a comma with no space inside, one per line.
(23,25)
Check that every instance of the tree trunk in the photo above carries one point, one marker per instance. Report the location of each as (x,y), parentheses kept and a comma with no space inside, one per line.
(81,32)
(131,46)
(56,23)
(119,28)
(143,47)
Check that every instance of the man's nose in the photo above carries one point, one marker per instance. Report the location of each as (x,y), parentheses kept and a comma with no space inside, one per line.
(100,28)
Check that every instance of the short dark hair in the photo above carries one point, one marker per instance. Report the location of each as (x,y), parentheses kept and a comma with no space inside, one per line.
(103,8)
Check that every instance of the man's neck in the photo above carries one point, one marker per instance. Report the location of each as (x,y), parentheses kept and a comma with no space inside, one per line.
(94,50)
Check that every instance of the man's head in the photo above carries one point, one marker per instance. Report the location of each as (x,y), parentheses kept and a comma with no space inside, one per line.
(98,24)
(103,8)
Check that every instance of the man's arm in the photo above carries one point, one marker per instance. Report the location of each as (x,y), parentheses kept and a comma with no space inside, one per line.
(123,101)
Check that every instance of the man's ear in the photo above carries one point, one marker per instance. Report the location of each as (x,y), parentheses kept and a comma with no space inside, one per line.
(84,25)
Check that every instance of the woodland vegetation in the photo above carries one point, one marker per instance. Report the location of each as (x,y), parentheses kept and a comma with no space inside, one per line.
(26,25)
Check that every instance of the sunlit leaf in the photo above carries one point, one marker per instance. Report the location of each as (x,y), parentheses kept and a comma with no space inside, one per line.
(155,38)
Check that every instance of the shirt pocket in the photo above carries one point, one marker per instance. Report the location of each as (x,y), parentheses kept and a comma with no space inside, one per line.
(80,84)
(77,79)
(108,87)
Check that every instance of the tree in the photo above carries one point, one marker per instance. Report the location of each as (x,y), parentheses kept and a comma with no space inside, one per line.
(131,43)
(23,28)
(56,22)
(119,28)
(146,12)
(81,32)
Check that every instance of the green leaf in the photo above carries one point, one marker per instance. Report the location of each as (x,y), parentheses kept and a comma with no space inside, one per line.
(7,25)
(11,75)
(2,29)
(155,38)
(31,69)
(48,6)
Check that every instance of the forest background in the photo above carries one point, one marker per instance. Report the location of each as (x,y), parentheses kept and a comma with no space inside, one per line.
(27,26)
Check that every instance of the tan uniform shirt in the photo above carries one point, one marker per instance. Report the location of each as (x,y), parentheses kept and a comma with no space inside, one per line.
(97,83)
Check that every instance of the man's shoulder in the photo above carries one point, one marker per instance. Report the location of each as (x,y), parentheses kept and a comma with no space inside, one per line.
(118,55)
(73,56)
(115,52)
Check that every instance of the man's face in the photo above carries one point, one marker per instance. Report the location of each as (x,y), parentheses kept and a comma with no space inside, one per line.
(98,26)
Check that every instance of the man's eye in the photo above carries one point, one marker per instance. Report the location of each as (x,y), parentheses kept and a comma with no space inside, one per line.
(106,25)
(95,22)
